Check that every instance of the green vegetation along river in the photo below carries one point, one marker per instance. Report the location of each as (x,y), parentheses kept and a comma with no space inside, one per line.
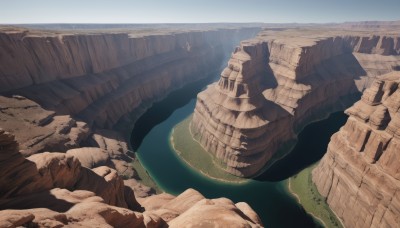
(267,194)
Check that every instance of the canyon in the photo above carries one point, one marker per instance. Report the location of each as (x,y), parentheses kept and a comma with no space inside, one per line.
(89,83)
(359,174)
(278,82)
(68,100)
(70,97)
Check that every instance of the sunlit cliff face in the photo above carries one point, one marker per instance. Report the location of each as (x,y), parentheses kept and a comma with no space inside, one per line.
(360,170)
(275,84)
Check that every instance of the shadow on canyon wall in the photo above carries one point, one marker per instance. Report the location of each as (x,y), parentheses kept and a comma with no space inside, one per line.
(340,72)
(160,111)
(44,199)
(310,148)
(26,191)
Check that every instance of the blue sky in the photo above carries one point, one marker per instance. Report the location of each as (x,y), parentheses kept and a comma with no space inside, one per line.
(180,11)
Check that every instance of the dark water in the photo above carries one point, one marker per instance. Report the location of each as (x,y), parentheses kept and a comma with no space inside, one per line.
(160,111)
(310,148)
(267,194)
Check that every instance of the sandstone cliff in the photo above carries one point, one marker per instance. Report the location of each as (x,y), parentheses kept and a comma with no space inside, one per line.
(278,82)
(55,190)
(101,78)
(75,84)
(40,130)
(359,174)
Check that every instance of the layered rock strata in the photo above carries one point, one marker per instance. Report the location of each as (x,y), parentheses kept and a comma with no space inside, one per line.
(55,190)
(359,174)
(40,130)
(61,89)
(279,81)
(101,78)
(34,181)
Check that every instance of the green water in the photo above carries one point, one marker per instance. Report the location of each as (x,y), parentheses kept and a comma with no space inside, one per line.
(266,194)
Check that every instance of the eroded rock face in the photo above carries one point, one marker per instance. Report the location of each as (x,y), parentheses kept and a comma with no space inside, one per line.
(359,174)
(108,78)
(41,173)
(54,190)
(278,82)
(39,130)
(88,214)
(73,85)
(191,209)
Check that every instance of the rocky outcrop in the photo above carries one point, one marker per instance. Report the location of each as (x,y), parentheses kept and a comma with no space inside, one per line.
(359,174)
(55,190)
(191,209)
(92,157)
(22,178)
(88,214)
(278,82)
(38,129)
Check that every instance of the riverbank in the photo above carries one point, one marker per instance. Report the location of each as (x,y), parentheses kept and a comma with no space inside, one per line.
(193,155)
(144,176)
(306,193)
(267,195)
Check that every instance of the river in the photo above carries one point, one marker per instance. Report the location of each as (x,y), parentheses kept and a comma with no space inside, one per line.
(267,194)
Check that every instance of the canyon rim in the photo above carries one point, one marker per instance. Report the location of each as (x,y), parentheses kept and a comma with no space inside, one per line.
(157,114)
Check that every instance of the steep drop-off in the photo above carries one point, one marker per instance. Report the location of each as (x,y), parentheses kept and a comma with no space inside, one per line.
(100,80)
(279,81)
(359,174)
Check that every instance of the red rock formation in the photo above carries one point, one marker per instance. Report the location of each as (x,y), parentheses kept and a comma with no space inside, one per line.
(42,172)
(40,130)
(54,190)
(232,119)
(103,77)
(191,209)
(359,174)
(278,82)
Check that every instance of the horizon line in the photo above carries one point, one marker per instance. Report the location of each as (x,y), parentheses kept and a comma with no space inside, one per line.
(144,23)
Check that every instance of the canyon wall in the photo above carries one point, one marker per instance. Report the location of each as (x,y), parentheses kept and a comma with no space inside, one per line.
(279,81)
(359,174)
(31,57)
(102,77)
(96,80)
